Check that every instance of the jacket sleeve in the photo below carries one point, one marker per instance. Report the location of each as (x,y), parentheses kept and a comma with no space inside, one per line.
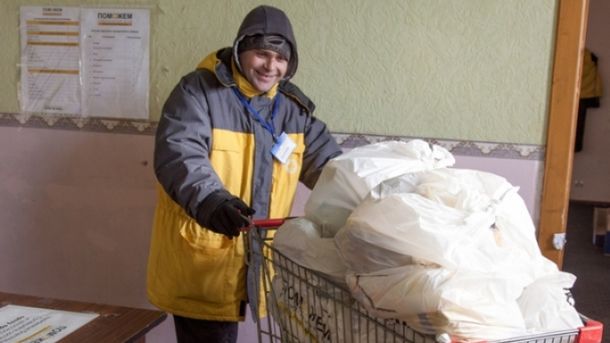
(320,147)
(182,146)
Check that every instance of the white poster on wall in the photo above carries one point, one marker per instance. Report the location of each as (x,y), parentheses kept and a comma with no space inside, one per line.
(39,325)
(50,52)
(115,62)
(85,61)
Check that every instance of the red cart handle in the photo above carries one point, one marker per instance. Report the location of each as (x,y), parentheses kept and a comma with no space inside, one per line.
(266,223)
(269,223)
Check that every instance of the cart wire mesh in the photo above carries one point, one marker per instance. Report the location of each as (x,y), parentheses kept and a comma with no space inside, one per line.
(299,305)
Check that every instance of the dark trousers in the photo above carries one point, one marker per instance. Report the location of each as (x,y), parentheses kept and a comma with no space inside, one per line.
(190,330)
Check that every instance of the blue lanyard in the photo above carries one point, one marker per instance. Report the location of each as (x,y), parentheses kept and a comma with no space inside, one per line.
(268,125)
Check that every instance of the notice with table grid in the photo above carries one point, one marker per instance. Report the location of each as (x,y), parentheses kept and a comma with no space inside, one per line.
(22,324)
(50,52)
(115,62)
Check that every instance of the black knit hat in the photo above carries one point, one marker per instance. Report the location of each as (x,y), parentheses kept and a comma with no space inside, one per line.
(268,21)
(275,43)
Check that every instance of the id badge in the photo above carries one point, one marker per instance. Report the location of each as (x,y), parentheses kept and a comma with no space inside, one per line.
(283,147)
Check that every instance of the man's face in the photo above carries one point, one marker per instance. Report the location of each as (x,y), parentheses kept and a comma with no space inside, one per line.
(263,68)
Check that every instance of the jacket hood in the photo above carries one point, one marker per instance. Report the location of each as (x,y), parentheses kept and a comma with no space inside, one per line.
(264,20)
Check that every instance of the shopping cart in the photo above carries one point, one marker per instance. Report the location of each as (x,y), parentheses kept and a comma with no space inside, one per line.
(300,305)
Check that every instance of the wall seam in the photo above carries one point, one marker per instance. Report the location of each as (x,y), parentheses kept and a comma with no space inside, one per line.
(345,140)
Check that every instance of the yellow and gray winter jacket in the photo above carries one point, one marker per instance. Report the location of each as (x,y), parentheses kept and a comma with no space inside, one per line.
(207,141)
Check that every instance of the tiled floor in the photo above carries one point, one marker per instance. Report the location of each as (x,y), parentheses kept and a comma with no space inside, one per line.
(592,268)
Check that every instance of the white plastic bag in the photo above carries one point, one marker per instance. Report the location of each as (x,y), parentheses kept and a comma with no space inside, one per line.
(299,239)
(456,245)
(547,304)
(347,179)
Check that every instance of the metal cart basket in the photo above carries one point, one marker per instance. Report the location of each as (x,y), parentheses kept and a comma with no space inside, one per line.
(300,305)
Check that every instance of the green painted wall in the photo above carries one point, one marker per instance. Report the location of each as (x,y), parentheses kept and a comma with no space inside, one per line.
(467,70)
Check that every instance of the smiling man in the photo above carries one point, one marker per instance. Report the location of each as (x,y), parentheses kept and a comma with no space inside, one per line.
(263,59)
(234,139)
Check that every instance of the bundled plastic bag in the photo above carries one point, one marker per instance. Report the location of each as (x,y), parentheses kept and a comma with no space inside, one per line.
(408,226)
(446,250)
(456,245)
(467,305)
(347,179)
(299,239)
(547,303)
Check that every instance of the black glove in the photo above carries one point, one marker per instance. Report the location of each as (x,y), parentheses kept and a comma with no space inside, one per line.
(224,213)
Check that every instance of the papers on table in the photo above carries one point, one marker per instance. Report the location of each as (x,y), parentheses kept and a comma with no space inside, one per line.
(31,324)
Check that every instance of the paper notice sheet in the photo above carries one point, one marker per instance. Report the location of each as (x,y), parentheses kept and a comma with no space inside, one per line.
(115,56)
(50,55)
(31,324)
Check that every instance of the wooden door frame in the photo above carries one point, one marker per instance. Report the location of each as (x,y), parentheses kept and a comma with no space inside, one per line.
(572,18)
